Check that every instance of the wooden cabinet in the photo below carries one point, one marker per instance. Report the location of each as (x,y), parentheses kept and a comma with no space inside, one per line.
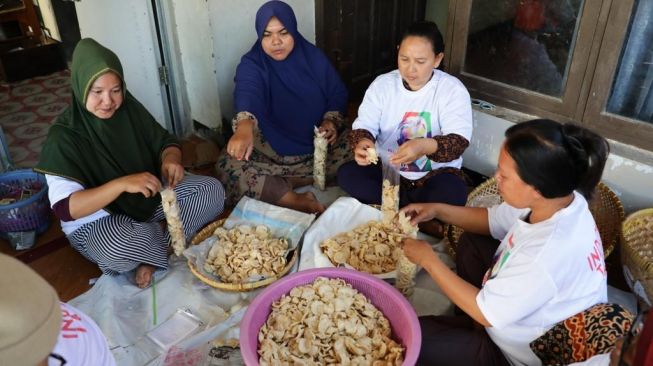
(24,51)
(22,14)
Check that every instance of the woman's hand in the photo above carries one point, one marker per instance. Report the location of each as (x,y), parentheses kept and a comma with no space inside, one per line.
(145,183)
(330,132)
(171,169)
(172,172)
(419,252)
(360,151)
(412,150)
(420,212)
(241,144)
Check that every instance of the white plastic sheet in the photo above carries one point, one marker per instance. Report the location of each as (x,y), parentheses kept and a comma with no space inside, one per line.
(125,313)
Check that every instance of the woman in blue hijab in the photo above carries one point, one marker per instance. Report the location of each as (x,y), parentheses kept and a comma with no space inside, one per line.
(285,87)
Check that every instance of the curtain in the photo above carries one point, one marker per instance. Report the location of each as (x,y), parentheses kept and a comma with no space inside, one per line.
(632,91)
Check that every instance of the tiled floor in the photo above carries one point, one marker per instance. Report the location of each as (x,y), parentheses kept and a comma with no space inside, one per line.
(27,110)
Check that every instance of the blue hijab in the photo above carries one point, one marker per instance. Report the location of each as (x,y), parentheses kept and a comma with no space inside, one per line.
(287,97)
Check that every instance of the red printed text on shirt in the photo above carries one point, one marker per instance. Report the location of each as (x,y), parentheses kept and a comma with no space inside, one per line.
(71,324)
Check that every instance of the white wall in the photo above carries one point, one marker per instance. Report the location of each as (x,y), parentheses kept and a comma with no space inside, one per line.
(127,28)
(193,27)
(630,179)
(49,20)
(234,34)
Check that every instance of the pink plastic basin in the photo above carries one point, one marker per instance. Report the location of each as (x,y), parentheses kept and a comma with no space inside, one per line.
(402,317)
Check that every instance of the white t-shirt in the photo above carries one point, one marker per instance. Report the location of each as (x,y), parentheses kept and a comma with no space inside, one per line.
(598,360)
(81,341)
(60,188)
(543,274)
(393,114)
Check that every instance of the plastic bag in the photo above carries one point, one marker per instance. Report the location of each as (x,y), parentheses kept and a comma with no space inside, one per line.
(390,186)
(319,159)
(21,240)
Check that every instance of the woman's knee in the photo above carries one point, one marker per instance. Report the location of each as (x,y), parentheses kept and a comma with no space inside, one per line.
(445,188)
(350,175)
(345,171)
(211,195)
(463,246)
(215,189)
(475,247)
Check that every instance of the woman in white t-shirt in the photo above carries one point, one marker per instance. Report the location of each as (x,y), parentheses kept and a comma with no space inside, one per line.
(549,264)
(419,116)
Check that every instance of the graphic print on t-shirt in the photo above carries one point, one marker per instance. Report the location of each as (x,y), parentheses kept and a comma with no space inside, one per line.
(415,125)
(499,259)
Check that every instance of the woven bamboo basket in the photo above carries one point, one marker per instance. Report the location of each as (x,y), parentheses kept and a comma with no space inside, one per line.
(605,206)
(234,287)
(487,188)
(637,252)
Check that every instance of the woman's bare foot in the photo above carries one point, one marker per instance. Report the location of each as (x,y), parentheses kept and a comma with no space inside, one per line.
(305,202)
(143,275)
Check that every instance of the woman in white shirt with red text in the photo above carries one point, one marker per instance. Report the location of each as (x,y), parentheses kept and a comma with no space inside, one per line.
(549,264)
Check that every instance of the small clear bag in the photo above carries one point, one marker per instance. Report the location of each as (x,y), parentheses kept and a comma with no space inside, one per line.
(179,326)
(390,186)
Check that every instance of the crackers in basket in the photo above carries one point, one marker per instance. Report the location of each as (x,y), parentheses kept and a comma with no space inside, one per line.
(373,247)
(327,322)
(245,252)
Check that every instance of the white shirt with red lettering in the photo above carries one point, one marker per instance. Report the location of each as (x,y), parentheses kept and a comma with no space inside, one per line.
(81,341)
(543,273)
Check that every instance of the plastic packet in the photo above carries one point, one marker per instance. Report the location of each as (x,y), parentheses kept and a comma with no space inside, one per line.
(319,159)
(177,327)
(173,219)
(390,186)
(21,240)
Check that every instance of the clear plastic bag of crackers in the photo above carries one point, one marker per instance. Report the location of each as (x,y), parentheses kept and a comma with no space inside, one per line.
(390,186)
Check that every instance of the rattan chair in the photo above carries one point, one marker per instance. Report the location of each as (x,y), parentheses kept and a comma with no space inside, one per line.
(637,253)
(605,207)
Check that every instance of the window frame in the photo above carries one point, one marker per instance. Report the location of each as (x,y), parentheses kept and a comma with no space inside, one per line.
(595,54)
(617,127)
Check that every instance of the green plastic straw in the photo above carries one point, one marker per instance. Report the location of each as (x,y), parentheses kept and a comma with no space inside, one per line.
(153,299)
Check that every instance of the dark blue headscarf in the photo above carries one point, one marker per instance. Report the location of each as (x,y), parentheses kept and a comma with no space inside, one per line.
(287,97)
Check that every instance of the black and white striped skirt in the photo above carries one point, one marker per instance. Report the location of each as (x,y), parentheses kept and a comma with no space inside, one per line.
(118,243)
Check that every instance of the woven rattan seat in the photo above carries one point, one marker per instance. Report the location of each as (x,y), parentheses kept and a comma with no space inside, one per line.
(637,253)
(605,207)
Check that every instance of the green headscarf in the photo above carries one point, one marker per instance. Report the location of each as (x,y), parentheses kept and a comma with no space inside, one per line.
(93,151)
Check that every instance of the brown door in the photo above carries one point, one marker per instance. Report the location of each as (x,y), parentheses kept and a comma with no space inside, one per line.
(360,37)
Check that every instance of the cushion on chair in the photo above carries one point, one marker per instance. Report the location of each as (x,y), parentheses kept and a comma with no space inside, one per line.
(586,334)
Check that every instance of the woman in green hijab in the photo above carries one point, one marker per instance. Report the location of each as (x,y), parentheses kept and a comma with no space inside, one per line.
(103,161)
